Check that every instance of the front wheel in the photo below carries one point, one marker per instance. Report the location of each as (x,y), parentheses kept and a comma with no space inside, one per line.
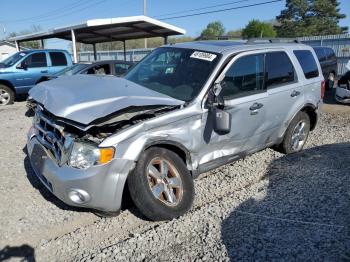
(7,96)
(161,185)
(296,134)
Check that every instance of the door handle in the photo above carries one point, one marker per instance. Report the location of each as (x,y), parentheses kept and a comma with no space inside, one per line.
(295,93)
(44,71)
(255,106)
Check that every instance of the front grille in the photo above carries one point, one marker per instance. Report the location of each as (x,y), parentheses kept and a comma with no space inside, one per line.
(52,136)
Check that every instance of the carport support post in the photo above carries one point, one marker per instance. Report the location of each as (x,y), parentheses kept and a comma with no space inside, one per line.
(74,47)
(17,46)
(95,53)
(165,40)
(124,50)
(42,44)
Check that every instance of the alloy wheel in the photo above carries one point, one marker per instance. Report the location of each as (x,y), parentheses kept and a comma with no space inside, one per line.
(299,136)
(4,97)
(164,181)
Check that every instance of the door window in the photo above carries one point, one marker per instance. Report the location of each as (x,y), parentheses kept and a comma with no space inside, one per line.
(121,69)
(36,60)
(307,62)
(101,69)
(330,54)
(244,77)
(279,69)
(58,59)
(321,54)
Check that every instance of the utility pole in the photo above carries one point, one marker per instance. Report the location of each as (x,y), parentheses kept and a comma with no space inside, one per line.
(4,31)
(145,13)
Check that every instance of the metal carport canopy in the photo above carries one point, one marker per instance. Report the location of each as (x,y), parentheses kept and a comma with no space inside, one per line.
(106,30)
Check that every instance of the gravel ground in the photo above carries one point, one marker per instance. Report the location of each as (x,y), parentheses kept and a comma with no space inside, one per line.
(267,206)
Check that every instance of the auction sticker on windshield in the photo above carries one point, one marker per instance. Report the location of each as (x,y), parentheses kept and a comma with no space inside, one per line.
(203,55)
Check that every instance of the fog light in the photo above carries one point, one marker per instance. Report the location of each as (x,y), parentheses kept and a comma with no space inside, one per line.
(79,196)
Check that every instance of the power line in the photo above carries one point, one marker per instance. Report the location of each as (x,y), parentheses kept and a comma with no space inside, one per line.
(73,12)
(221,10)
(58,16)
(46,14)
(202,8)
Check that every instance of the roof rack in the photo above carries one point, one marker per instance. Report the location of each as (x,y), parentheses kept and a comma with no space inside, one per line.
(271,40)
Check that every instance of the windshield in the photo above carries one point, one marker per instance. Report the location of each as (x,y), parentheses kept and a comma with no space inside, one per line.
(71,70)
(176,72)
(10,61)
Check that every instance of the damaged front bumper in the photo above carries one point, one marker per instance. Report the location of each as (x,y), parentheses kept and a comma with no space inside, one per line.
(98,187)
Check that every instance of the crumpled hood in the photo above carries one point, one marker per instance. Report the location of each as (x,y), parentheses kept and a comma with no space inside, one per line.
(84,98)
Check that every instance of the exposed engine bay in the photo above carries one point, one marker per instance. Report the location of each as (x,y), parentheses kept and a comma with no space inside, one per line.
(103,127)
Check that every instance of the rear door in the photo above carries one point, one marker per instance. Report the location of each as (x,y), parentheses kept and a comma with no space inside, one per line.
(58,61)
(285,93)
(310,75)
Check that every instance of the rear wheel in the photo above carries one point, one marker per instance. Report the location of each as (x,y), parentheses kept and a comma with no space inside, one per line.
(161,185)
(7,96)
(296,134)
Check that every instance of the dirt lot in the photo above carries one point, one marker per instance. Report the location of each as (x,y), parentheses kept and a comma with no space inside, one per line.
(264,207)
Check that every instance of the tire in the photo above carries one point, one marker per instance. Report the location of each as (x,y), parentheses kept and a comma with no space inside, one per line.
(287,146)
(7,96)
(172,195)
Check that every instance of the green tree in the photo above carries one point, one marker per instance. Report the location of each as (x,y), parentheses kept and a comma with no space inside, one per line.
(234,33)
(28,44)
(255,28)
(213,30)
(310,17)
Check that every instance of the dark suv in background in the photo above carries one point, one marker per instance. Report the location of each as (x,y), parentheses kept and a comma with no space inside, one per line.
(329,64)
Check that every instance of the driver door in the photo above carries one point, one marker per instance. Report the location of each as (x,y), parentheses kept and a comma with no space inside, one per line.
(245,98)
(34,67)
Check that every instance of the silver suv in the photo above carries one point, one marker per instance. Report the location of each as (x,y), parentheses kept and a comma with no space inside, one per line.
(183,110)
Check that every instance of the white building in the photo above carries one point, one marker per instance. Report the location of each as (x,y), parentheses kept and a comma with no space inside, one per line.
(6,49)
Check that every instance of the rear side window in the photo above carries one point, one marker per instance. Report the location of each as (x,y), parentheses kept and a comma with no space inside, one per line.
(307,62)
(321,54)
(279,69)
(58,59)
(244,77)
(330,53)
(36,60)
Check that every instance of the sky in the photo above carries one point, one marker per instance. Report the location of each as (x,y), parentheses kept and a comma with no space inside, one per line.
(20,15)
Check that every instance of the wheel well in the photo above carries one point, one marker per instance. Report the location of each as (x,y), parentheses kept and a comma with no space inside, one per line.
(312,115)
(8,84)
(176,149)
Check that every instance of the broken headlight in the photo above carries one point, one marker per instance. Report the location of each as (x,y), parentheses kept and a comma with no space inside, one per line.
(85,155)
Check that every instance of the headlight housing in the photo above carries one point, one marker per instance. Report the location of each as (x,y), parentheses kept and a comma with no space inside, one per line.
(85,155)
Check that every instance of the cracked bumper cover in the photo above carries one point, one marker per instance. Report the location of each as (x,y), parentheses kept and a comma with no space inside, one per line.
(103,183)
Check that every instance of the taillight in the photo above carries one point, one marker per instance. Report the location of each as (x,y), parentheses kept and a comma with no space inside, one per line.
(323,88)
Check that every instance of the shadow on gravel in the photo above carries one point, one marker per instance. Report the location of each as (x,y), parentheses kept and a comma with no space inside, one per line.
(24,252)
(303,215)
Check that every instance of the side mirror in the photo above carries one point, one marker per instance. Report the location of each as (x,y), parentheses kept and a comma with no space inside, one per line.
(216,104)
(23,65)
(222,121)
